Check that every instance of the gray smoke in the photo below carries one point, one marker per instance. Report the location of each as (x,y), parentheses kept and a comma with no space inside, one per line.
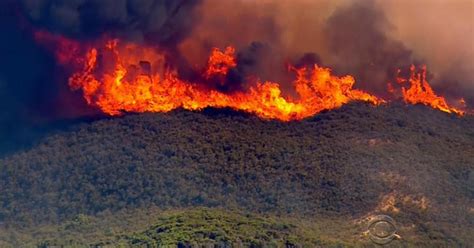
(33,89)
(370,39)
(158,21)
(358,41)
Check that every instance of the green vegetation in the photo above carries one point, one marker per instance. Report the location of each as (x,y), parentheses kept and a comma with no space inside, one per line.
(340,164)
(198,227)
(219,227)
(204,227)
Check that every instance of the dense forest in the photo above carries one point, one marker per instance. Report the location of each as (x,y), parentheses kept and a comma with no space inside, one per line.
(412,162)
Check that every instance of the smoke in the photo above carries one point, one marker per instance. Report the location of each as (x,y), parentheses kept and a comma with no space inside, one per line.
(442,33)
(356,37)
(33,89)
(370,39)
(158,21)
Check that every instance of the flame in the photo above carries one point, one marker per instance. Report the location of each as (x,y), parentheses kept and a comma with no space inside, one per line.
(220,63)
(420,92)
(119,77)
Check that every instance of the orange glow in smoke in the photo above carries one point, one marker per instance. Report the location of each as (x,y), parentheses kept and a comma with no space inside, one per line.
(119,77)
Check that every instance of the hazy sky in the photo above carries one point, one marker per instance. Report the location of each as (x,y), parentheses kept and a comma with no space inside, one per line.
(442,31)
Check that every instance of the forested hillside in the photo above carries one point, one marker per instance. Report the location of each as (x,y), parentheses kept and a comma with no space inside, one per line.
(412,162)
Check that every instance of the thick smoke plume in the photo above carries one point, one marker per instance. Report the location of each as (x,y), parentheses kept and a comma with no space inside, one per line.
(369,39)
(158,21)
(34,89)
(356,36)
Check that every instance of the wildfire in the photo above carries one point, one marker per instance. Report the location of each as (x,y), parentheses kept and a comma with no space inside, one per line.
(122,77)
(420,92)
(220,63)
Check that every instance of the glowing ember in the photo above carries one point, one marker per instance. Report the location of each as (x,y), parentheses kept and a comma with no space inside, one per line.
(121,77)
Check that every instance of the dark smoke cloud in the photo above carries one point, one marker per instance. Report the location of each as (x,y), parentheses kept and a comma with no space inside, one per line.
(25,85)
(251,65)
(34,93)
(261,61)
(158,21)
(358,41)
(370,39)
(258,61)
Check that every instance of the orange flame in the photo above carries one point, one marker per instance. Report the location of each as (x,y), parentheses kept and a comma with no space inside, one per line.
(121,77)
(220,63)
(420,92)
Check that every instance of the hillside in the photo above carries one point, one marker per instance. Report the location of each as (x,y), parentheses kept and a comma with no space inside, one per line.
(411,162)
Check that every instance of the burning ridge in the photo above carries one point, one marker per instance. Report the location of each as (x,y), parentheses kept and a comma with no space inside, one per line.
(117,77)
